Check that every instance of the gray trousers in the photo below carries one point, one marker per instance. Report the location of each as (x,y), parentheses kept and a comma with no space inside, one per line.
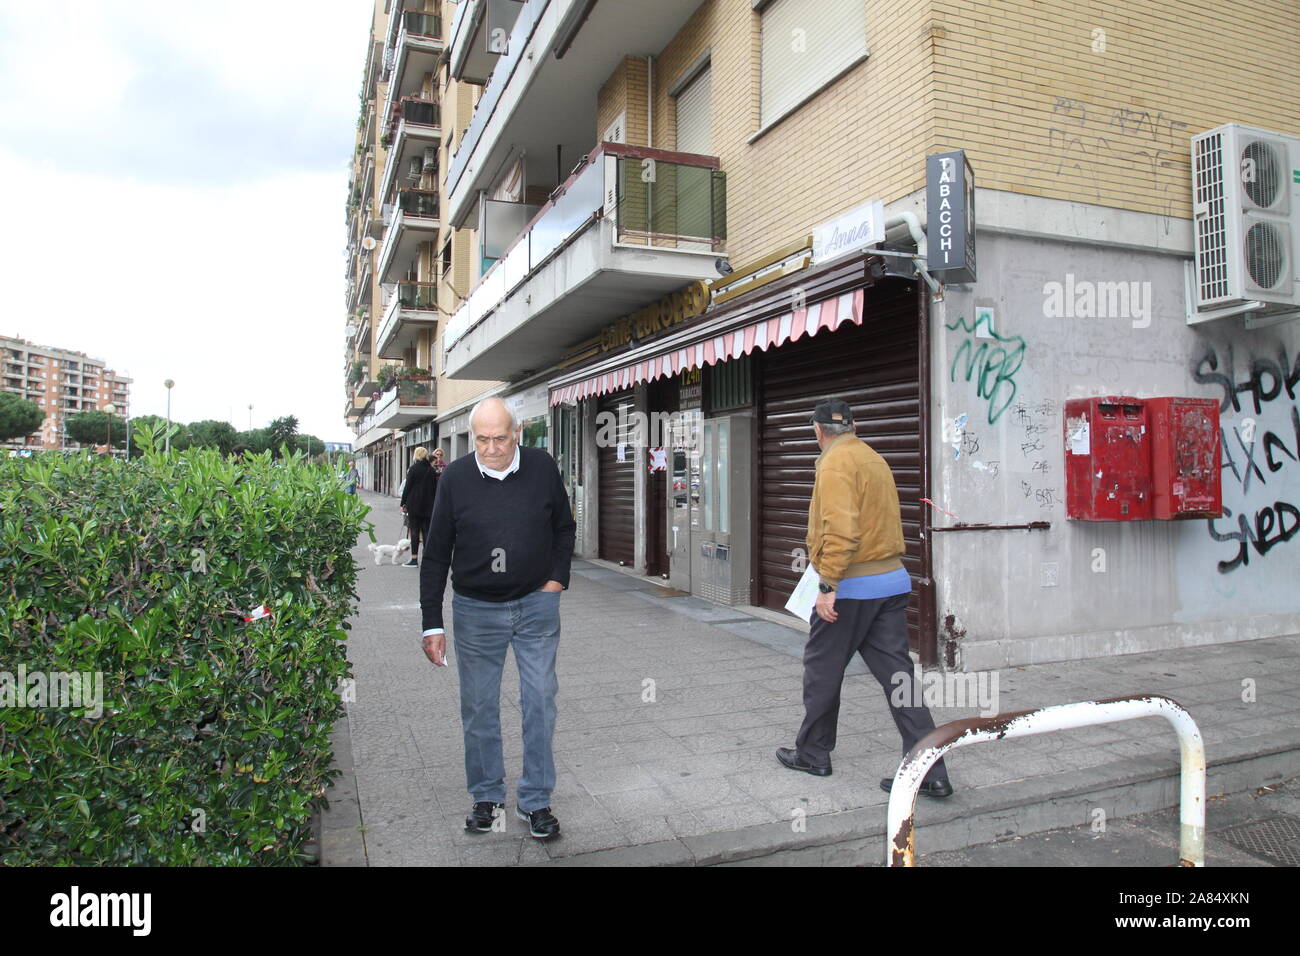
(876,629)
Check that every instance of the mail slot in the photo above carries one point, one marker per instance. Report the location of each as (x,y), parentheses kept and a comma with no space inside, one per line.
(1185,460)
(1107,459)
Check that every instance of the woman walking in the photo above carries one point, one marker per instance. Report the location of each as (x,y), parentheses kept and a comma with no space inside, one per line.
(417,501)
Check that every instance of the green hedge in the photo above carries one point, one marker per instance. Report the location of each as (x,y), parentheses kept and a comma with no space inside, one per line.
(213,743)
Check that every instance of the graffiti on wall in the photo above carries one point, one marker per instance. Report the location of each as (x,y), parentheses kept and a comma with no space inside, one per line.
(989,361)
(1256,459)
(1093,141)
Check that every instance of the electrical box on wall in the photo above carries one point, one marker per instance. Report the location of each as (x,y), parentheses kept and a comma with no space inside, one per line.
(1134,459)
(1185,460)
(1107,459)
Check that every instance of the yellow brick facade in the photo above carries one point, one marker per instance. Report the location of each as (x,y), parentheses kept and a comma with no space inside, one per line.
(1095,102)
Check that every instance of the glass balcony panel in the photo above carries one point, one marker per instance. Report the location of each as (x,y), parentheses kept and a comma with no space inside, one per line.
(418,202)
(670,203)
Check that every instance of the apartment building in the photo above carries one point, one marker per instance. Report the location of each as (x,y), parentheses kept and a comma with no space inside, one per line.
(666,231)
(60,382)
(406,267)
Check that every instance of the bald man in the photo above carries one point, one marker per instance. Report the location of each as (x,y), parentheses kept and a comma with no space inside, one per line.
(501,524)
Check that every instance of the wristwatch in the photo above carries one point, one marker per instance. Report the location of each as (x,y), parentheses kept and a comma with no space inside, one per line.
(826,588)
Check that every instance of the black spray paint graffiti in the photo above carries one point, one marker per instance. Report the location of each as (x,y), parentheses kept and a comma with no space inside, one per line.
(992,366)
(1268,378)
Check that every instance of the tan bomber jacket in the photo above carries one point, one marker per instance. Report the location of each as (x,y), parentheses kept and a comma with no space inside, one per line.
(854,523)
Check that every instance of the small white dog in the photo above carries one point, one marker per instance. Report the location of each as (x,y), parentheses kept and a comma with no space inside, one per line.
(380,551)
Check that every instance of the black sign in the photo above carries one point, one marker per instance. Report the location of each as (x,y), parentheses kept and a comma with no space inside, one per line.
(950,207)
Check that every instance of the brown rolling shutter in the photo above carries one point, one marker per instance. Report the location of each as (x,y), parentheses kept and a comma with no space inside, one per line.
(617,487)
(874,368)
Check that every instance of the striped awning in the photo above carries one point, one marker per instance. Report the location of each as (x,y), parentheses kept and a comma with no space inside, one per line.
(767,334)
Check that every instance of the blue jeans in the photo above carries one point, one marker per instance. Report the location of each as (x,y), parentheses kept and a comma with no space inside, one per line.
(483,630)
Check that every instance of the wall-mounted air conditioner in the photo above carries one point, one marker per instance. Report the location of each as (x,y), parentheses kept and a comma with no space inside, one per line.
(430,158)
(1246,219)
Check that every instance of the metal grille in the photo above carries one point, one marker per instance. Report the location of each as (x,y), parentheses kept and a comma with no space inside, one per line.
(1263,184)
(1276,840)
(1211,228)
(1265,254)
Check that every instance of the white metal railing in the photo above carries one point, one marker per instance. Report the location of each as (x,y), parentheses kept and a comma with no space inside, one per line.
(901,832)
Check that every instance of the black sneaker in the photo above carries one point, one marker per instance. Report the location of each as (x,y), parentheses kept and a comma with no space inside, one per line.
(481,816)
(411,564)
(541,823)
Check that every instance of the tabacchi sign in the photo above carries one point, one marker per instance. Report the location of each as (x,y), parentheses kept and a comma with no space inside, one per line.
(950,209)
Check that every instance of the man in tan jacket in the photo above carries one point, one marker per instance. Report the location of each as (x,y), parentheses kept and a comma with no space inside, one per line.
(855,543)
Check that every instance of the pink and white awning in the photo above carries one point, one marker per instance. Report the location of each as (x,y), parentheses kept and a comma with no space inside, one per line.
(769,333)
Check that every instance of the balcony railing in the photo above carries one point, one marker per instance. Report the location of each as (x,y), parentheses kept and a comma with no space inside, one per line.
(418,390)
(422,111)
(681,206)
(414,202)
(417,295)
(422,24)
(670,201)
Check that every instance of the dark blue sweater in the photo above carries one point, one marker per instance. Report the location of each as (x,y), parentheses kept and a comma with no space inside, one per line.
(501,539)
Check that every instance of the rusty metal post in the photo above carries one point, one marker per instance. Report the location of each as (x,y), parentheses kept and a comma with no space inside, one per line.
(901,850)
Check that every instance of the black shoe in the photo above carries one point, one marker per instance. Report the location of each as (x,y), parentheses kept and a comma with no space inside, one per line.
(411,564)
(789,758)
(481,816)
(541,823)
(938,790)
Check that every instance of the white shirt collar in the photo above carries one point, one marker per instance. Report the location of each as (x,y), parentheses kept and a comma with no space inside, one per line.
(499,475)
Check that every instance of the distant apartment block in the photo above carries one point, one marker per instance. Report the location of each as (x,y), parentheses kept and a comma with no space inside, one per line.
(60,382)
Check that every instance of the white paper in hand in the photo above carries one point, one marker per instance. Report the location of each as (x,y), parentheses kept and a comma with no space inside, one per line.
(805,594)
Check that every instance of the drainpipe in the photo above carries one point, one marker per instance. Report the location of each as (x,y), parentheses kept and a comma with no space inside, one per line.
(913,223)
(650,99)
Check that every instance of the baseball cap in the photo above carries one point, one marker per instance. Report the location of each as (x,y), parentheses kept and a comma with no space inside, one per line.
(833,412)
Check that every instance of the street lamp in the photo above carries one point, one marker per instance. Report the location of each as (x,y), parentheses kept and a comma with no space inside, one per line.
(108,426)
(167,444)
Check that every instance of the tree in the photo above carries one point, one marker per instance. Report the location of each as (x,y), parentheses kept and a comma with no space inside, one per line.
(18,417)
(310,445)
(95,428)
(215,434)
(258,440)
(282,431)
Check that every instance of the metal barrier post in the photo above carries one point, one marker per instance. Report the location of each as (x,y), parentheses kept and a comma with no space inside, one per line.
(901,851)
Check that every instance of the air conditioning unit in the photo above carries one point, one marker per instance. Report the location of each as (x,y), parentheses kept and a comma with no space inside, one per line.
(430,158)
(414,169)
(1246,219)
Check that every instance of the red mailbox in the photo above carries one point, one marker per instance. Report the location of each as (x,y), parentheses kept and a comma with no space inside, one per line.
(1185,462)
(1107,459)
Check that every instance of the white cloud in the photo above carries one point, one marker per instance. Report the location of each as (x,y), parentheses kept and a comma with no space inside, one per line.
(181,176)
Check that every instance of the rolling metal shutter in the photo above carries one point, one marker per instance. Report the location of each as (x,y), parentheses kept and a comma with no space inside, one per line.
(617,483)
(805,44)
(874,368)
(694,116)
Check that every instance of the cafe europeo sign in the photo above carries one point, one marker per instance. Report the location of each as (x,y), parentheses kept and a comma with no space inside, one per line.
(669,311)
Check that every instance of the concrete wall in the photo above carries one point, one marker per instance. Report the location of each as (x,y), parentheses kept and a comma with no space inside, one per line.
(1085,589)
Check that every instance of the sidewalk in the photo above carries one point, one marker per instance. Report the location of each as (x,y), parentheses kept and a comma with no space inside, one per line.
(671,708)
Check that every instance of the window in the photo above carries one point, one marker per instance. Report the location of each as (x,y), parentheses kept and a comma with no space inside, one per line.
(694,116)
(806,45)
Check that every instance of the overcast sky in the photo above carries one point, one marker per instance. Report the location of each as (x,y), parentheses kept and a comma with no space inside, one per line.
(174,177)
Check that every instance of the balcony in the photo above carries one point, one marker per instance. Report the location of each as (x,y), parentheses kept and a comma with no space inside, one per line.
(606,244)
(412,309)
(413,142)
(541,92)
(407,401)
(479,37)
(411,220)
(415,43)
